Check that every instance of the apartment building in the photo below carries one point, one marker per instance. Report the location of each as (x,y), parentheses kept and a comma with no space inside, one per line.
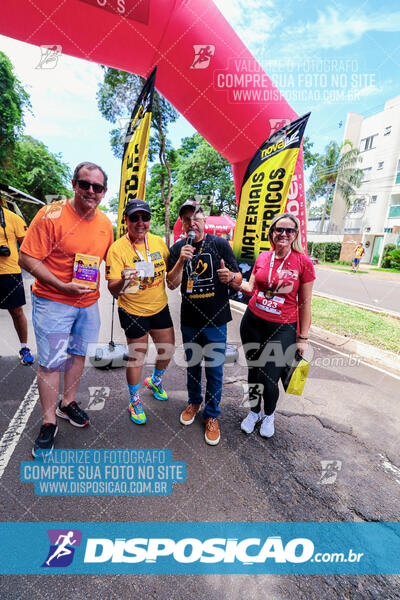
(374,217)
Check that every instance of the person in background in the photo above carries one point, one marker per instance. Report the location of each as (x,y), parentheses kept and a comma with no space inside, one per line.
(135,270)
(277,318)
(65,313)
(12,295)
(204,270)
(358,254)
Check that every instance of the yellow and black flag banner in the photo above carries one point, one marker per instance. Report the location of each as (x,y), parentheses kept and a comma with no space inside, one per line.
(134,161)
(265,189)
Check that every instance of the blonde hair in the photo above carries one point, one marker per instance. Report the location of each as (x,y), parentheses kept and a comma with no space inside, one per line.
(296,244)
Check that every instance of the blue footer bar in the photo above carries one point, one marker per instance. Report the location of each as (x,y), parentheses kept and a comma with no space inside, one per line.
(208,548)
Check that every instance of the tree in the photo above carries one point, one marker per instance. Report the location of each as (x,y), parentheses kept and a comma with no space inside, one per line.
(14,100)
(116,98)
(35,170)
(336,168)
(310,158)
(202,172)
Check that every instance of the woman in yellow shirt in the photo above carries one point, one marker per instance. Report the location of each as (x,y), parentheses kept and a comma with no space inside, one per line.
(135,270)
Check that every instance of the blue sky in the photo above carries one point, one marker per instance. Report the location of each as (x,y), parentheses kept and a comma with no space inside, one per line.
(342,56)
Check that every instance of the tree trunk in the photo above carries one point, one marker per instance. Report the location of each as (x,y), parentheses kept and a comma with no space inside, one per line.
(323,216)
(165,198)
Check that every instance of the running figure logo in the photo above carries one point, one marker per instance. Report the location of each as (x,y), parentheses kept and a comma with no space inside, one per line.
(276,124)
(49,56)
(330,470)
(62,547)
(202,55)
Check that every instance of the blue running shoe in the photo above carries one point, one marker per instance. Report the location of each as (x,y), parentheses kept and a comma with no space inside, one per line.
(25,356)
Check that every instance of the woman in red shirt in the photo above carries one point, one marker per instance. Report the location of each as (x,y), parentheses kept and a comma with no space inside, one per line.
(277,318)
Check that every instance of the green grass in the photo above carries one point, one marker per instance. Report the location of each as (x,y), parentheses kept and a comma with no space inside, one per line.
(379,330)
(389,270)
(337,266)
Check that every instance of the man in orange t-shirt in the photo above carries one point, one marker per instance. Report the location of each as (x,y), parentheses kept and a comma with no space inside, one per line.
(65,314)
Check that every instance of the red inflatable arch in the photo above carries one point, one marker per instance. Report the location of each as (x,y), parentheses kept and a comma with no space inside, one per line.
(204,69)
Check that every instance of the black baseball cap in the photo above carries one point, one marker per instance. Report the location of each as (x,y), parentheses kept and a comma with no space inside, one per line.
(191,204)
(135,205)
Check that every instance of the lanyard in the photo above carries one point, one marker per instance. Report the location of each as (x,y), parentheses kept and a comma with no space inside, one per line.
(139,254)
(190,266)
(279,269)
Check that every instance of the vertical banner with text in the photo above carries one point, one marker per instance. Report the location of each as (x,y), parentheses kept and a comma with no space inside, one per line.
(265,189)
(134,161)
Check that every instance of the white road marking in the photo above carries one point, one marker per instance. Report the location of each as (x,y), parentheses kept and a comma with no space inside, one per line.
(389,468)
(17,425)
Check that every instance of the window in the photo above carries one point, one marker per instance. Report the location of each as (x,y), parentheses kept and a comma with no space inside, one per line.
(373,199)
(367,143)
(388,230)
(398,173)
(367,174)
(380,165)
(388,129)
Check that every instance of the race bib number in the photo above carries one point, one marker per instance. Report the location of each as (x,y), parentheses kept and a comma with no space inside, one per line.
(147,267)
(270,305)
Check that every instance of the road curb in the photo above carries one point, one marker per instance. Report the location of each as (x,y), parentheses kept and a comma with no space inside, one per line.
(368,353)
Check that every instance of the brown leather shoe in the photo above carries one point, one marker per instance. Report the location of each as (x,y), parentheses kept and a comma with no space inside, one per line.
(212,435)
(188,415)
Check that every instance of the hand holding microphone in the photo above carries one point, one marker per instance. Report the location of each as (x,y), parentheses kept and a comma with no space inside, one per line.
(187,250)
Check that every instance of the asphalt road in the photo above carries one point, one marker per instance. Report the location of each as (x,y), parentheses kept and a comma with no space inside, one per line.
(348,413)
(360,287)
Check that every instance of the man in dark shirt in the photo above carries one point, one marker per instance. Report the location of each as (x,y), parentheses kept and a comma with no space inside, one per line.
(204,270)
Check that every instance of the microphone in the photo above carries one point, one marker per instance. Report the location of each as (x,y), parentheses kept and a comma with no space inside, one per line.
(190,240)
(190,237)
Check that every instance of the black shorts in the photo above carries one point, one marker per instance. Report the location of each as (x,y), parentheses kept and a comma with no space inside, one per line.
(136,327)
(12,294)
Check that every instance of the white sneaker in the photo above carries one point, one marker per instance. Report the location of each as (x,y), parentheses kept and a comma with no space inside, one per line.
(267,428)
(248,424)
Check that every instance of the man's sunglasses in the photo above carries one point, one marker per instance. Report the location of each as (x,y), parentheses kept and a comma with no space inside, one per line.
(135,217)
(85,185)
(287,230)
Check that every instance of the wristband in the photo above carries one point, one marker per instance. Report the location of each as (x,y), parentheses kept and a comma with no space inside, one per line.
(232,278)
(300,337)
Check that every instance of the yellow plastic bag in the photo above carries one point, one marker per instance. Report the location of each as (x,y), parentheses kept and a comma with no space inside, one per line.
(296,376)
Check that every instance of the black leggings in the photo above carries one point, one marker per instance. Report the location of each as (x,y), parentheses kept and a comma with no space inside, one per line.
(272,346)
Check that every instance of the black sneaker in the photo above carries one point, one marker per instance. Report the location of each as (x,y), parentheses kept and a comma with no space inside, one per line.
(44,442)
(73,413)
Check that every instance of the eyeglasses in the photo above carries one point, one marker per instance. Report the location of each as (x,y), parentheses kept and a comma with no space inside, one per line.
(190,219)
(287,230)
(135,217)
(86,185)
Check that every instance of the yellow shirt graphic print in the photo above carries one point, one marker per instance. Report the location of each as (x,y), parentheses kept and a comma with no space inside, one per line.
(151,296)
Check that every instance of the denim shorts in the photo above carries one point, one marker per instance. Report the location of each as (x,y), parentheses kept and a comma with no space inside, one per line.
(62,330)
